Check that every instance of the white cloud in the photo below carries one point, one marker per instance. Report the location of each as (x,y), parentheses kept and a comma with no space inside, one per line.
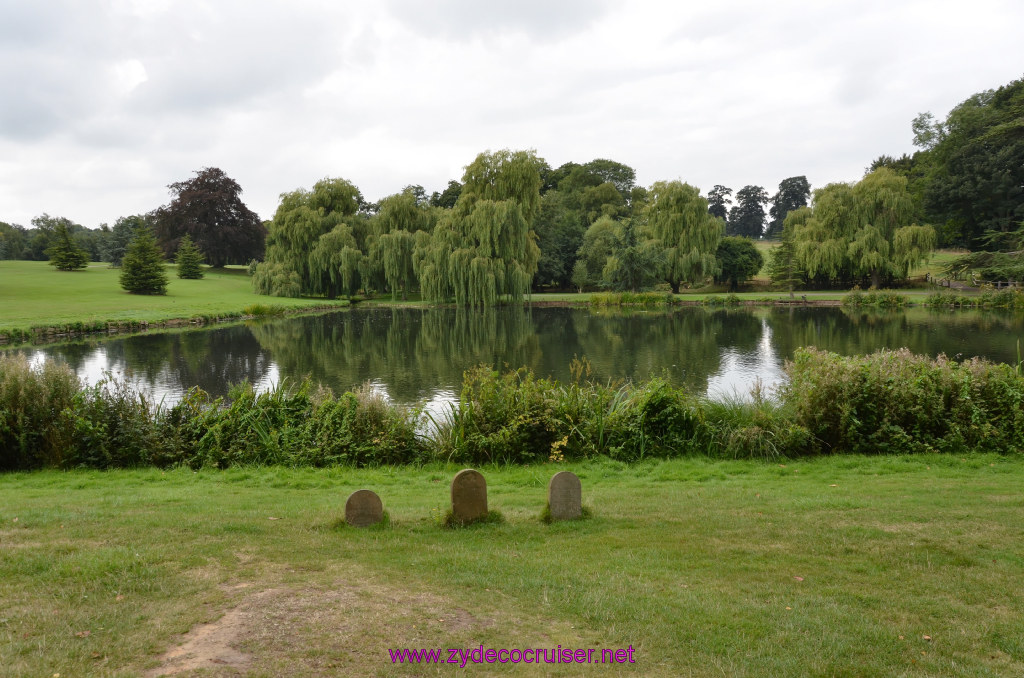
(103,104)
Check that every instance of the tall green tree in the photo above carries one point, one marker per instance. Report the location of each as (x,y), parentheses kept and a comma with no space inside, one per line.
(142,269)
(296,262)
(746,218)
(486,247)
(862,231)
(738,260)
(686,233)
(793,193)
(719,200)
(599,245)
(634,264)
(210,210)
(976,165)
(189,259)
(64,253)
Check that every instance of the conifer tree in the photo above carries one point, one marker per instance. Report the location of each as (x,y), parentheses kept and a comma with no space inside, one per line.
(142,269)
(64,254)
(189,259)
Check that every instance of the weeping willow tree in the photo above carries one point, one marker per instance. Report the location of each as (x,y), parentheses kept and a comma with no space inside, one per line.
(297,262)
(861,231)
(399,220)
(687,236)
(485,247)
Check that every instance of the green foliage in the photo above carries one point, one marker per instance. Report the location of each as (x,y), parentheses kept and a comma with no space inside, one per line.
(686,234)
(142,269)
(738,259)
(64,254)
(859,231)
(746,218)
(189,259)
(297,262)
(975,160)
(485,248)
(881,299)
(793,194)
(895,401)
(647,299)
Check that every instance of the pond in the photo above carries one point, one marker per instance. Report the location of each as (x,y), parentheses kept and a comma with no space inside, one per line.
(419,354)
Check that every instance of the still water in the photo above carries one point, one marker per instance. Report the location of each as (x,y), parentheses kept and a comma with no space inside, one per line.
(419,355)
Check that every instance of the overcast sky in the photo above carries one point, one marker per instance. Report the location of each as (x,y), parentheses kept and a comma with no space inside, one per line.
(104,103)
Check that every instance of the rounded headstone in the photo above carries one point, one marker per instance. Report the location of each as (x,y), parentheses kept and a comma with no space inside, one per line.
(565,496)
(363,509)
(469,495)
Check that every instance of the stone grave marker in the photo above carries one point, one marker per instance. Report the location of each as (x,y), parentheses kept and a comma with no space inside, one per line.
(565,496)
(469,496)
(363,509)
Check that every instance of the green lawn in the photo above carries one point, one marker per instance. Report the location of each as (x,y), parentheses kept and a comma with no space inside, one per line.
(32,294)
(841,566)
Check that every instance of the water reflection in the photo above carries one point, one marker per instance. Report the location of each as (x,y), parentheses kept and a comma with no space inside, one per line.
(417,355)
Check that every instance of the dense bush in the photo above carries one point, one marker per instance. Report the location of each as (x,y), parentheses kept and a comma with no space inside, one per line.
(895,401)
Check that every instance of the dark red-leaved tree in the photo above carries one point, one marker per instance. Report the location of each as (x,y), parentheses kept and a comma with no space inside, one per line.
(208,208)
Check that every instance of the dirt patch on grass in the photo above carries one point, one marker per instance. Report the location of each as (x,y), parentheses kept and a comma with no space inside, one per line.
(346,628)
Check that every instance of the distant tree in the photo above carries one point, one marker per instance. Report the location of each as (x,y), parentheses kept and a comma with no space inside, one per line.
(746,218)
(209,208)
(685,232)
(448,197)
(64,253)
(121,235)
(580,277)
(142,268)
(189,259)
(739,260)
(559,236)
(13,238)
(719,201)
(793,193)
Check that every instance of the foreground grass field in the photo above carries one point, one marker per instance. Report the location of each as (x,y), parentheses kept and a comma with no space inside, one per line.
(852,566)
(33,294)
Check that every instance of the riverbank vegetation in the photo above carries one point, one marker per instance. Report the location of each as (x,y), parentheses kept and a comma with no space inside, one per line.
(891,401)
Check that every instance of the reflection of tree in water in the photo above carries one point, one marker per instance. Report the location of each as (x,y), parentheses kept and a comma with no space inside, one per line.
(210,359)
(412,351)
(415,352)
(857,332)
(686,345)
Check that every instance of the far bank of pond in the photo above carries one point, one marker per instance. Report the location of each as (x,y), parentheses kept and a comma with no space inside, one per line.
(418,354)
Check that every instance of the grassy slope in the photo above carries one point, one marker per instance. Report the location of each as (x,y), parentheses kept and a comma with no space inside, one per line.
(32,293)
(833,566)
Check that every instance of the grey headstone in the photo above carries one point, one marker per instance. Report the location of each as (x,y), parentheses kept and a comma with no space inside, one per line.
(363,508)
(565,496)
(469,496)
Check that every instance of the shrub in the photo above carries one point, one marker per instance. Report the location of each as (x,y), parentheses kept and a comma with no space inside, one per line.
(34,429)
(895,401)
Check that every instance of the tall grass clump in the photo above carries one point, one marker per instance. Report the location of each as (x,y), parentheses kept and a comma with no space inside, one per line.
(34,430)
(645,299)
(881,299)
(517,418)
(292,426)
(897,402)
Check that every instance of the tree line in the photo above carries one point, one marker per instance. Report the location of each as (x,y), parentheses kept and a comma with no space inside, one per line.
(514,224)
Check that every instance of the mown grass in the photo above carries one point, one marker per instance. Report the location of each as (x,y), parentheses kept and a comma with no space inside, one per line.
(33,294)
(837,566)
